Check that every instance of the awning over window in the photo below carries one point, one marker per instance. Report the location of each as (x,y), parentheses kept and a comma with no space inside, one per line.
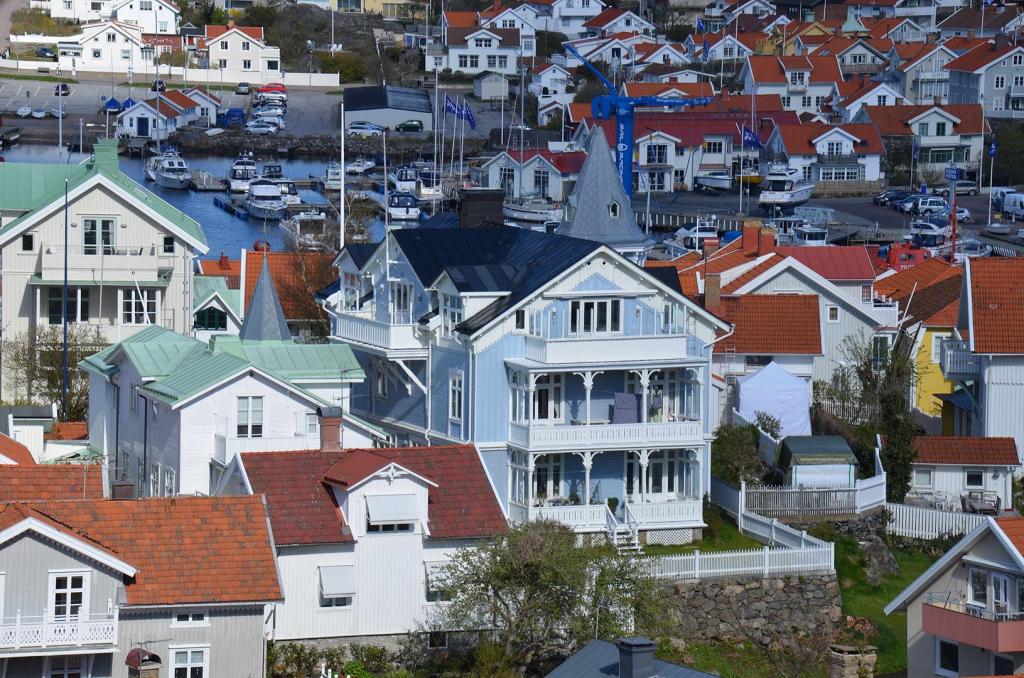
(959,399)
(391,508)
(337,581)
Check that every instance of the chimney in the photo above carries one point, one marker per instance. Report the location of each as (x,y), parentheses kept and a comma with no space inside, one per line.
(330,428)
(224,262)
(1001,40)
(710,246)
(636,657)
(750,234)
(712,291)
(765,241)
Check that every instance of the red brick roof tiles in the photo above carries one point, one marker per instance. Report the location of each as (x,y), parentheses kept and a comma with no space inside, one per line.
(899,285)
(69,430)
(997,304)
(849,262)
(772,69)
(456,19)
(965,450)
(303,510)
(229,268)
(567,163)
(771,324)
(1013,528)
(178,99)
(254,32)
(187,550)
(15,451)
(979,57)
(799,139)
(297,276)
(47,482)
(894,120)
(604,18)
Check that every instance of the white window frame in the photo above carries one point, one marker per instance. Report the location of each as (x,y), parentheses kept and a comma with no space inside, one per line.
(937,340)
(971,600)
(169,486)
(191,622)
(249,400)
(52,592)
(828,313)
(154,479)
(131,309)
(452,313)
(555,386)
(204,648)
(312,424)
(51,671)
(939,671)
(931,477)
(456,385)
(380,378)
(968,472)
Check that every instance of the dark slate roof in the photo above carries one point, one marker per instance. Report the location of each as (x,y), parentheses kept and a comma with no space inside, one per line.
(440,220)
(597,187)
(323,294)
(264,319)
(600,659)
(666,275)
(361,253)
(536,257)
(374,97)
(493,278)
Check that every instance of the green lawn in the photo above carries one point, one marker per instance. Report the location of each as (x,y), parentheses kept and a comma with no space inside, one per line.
(4,75)
(735,660)
(721,535)
(862,599)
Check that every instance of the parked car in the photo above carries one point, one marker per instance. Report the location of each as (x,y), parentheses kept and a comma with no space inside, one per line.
(962,188)
(409,126)
(62,90)
(906,205)
(963,216)
(269,111)
(260,127)
(45,53)
(997,193)
(272,97)
(363,128)
(1020,235)
(1013,205)
(272,87)
(926,205)
(243,88)
(887,197)
(158,86)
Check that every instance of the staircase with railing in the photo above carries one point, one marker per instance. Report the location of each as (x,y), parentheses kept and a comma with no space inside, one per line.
(625,535)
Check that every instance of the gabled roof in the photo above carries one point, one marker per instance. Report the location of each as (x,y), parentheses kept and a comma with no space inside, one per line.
(296,277)
(606,17)
(230,269)
(981,57)
(799,139)
(568,162)
(204,92)
(836,262)
(896,120)
(509,37)
(962,43)
(303,509)
(996,307)
(178,99)
(254,32)
(14,452)
(207,287)
(965,450)
(972,19)
(600,659)
(766,68)
(669,89)
(460,19)
(68,430)
(771,324)
(46,482)
(171,542)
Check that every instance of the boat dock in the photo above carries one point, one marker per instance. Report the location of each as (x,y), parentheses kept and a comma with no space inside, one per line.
(204,181)
(230,207)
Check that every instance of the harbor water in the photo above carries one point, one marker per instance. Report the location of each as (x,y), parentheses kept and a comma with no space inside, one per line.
(224,232)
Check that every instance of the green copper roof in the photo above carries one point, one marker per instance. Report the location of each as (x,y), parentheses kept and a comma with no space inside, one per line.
(206,286)
(202,370)
(292,361)
(29,187)
(153,334)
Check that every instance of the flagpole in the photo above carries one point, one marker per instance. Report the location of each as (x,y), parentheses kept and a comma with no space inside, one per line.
(455,133)
(433,194)
(991,175)
(462,138)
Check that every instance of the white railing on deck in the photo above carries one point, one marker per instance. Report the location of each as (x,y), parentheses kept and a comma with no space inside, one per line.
(577,516)
(648,514)
(796,502)
(763,562)
(43,631)
(923,523)
(539,437)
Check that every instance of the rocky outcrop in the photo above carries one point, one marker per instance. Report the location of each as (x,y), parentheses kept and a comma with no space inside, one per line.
(774,613)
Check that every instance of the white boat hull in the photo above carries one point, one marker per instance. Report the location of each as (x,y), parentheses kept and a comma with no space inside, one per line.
(238,186)
(785,198)
(268,212)
(998,229)
(176,182)
(404,213)
(716,182)
(24,111)
(537,215)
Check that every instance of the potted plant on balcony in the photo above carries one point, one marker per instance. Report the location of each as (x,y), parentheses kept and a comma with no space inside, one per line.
(613,504)
(574,499)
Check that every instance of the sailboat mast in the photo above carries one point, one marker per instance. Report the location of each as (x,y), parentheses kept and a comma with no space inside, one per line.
(341,167)
(522,125)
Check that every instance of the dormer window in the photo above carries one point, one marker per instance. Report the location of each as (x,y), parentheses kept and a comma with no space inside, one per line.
(613,210)
(389,527)
(451,313)
(391,513)
(797,78)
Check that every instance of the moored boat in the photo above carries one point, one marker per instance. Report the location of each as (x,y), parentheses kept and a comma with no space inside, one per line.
(783,187)
(264,200)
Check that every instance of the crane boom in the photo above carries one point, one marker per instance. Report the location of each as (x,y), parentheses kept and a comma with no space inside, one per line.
(612,104)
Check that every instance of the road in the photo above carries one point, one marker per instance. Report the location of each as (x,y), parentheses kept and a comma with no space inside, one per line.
(311,111)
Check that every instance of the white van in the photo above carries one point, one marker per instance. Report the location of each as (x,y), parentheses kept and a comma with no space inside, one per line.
(1013,205)
(997,194)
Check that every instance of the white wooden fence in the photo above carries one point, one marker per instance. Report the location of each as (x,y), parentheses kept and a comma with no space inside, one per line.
(763,562)
(923,523)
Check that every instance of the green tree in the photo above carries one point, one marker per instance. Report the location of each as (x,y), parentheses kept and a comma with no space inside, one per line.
(544,597)
(1008,169)
(260,15)
(33,360)
(349,66)
(548,43)
(734,456)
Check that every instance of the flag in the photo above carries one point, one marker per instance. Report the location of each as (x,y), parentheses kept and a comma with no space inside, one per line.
(750,139)
(913,147)
(700,25)
(449,106)
(466,114)
(992,149)
(704,51)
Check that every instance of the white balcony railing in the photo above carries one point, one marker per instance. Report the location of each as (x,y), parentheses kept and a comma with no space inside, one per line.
(359,329)
(1016,90)
(590,517)
(563,438)
(610,348)
(797,86)
(940,74)
(227,447)
(20,631)
(957,360)
(117,262)
(654,513)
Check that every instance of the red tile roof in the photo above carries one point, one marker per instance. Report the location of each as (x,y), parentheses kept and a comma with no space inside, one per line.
(302,507)
(567,163)
(297,277)
(973,19)
(893,120)
(690,127)
(656,89)
(15,451)
(178,99)
(229,268)
(254,32)
(997,304)
(187,550)
(164,111)
(979,57)
(849,262)
(965,450)
(507,36)
(799,139)
(47,482)
(772,69)
(69,430)
(456,19)
(771,324)
(961,43)
(604,18)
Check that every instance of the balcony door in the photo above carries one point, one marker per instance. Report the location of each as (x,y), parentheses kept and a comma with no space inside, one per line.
(400,303)
(97,235)
(671,474)
(69,594)
(548,473)
(1000,595)
(547,398)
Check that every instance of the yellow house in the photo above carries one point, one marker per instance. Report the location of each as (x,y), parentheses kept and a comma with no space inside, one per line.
(784,36)
(928,295)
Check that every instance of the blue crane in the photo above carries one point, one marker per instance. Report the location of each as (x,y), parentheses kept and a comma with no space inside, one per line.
(612,104)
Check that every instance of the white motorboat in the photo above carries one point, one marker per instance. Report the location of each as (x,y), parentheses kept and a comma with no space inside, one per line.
(927,228)
(999,228)
(429,187)
(531,210)
(289,192)
(360,166)
(808,235)
(169,170)
(334,178)
(272,170)
(405,179)
(242,171)
(264,200)
(687,240)
(719,180)
(969,248)
(38,113)
(57,113)
(306,229)
(403,207)
(783,187)
(25,111)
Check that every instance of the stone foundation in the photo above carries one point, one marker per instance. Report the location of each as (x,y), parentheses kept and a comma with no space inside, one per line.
(849,661)
(776,613)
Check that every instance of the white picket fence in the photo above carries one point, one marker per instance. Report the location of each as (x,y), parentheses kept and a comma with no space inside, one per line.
(763,562)
(923,523)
